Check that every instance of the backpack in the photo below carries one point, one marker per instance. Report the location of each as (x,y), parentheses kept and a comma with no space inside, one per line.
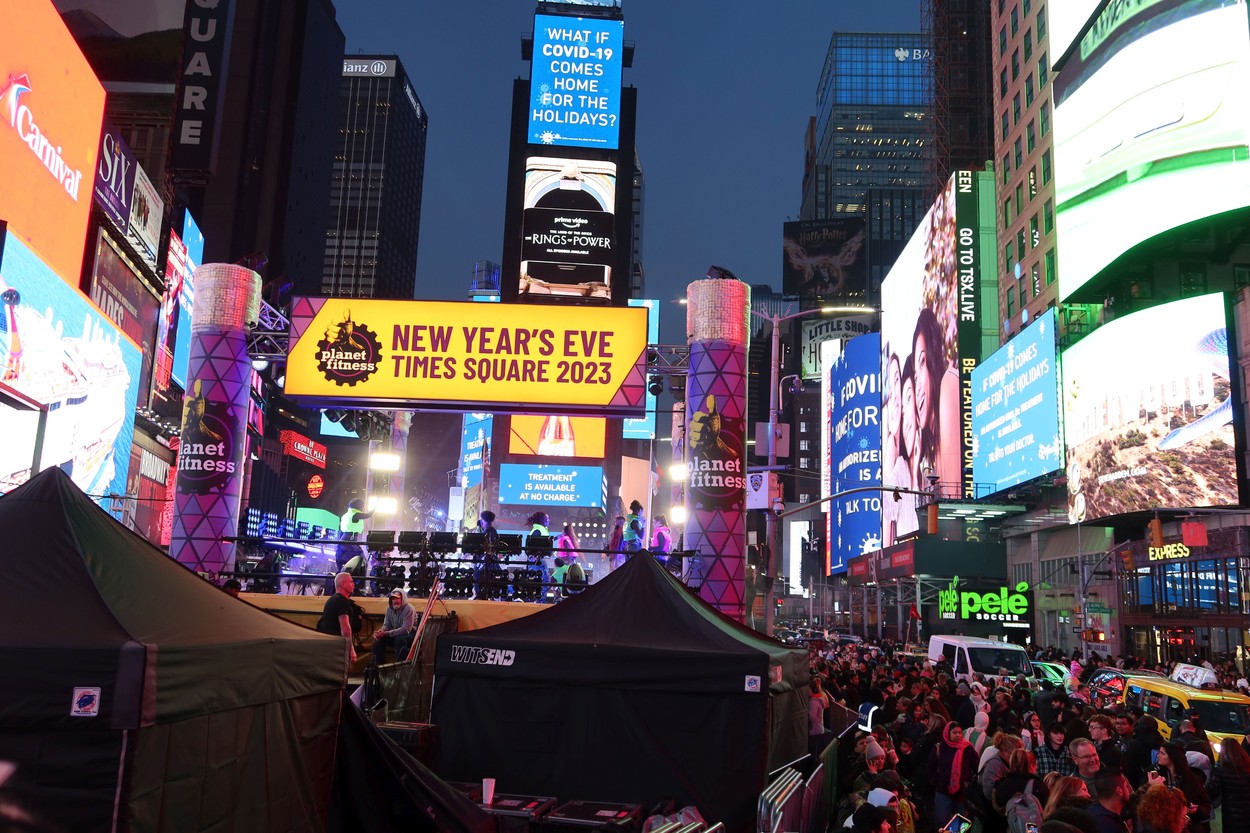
(1024,812)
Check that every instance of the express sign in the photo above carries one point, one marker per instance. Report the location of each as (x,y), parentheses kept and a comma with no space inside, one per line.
(459,356)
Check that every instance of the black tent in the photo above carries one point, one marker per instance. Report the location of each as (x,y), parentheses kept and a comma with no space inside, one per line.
(635,690)
(137,696)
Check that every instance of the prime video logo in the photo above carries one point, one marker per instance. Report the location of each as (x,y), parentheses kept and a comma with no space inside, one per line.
(482,656)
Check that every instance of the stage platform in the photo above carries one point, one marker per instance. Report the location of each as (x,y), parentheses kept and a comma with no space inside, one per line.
(472,615)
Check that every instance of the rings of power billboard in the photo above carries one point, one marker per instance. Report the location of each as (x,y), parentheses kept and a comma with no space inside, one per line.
(446,354)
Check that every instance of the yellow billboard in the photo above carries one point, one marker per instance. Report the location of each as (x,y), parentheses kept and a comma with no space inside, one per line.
(446,355)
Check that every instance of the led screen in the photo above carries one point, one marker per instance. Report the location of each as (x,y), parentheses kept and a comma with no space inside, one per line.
(57,349)
(1143,145)
(1064,21)
(1147,412)
(557,436)
(643,428)
(568,227)
(575,81)
(551,485)
(193,240)
(474,447)
(119,293)
(855,450)
(930,340)
(1015,410)
(19,427)
(824,257)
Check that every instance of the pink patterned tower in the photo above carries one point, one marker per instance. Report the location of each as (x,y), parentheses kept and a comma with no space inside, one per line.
(213,440)
(717,321)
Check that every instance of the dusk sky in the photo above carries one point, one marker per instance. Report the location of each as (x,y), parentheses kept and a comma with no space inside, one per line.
(724,93)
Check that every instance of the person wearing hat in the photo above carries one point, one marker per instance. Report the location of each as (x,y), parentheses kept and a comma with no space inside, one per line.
(878,797)
(874,765)
(870,819)
(396,630)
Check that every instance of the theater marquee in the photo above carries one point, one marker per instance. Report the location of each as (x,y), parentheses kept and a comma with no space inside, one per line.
(436,355)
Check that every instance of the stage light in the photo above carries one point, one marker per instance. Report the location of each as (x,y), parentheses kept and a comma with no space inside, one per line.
(678,471)
(679,514)
(656,385)
(384,461)
(383,504)
(260,365)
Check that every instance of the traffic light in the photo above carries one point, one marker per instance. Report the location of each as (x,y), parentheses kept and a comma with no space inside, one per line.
(1156,532)
(933,518)
(1099,636)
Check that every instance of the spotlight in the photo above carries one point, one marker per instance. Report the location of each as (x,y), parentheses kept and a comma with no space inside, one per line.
(260,365)
(678,471)
(678,514)
(656,385)
(349,421)
(384,461)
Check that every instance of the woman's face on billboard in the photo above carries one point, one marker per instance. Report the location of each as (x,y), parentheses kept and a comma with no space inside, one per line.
(921,360)
(908,441)
(894,393)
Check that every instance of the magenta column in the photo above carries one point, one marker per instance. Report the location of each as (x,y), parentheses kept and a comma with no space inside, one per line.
(717,318)
(209,486)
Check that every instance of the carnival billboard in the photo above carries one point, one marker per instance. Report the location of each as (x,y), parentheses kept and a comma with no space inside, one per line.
(60,351)
(438,355)
(930,343)
(575,81)
(51,109)
(1148,412)
(1143,145)
(1015,410)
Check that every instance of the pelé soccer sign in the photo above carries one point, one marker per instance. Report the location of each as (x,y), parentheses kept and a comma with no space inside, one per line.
(440,355)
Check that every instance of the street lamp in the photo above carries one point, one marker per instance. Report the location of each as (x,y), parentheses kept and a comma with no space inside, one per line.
(774,384)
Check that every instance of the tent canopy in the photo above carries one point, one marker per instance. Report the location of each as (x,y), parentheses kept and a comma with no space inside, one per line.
(93,605)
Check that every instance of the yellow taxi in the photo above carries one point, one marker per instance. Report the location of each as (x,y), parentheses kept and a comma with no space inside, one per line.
(1223,714)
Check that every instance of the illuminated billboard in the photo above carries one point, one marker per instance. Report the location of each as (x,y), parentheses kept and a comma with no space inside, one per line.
(193,254)
(643,428)
(57,349)
(855,450)
(930,342)
(1015,410)
(125,299)
(551,486)
(163,383)
(817,331)
(824,257)
(1064,21)
(575,81)
(115,177)
(475,432)
(568,227)
(1143,145)
(557,436)
(51,109)
(585,361)
(1148,415)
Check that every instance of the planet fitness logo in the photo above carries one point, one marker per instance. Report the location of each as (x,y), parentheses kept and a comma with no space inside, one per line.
(349,353)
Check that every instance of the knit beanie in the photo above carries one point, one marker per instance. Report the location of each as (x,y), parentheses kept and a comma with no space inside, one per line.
(874,750)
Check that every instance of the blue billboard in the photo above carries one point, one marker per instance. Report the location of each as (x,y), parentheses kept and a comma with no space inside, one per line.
(643,428)
(193,239)
(855,450)
(57,348)
(575,82)
(551,485)
(474,447)
(1015,410)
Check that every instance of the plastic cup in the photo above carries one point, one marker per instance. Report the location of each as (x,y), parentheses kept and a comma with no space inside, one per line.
(488,790)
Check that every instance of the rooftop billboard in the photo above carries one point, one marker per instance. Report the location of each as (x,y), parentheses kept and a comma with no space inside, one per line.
(568,227)
(575,81)
(1148,412)
(1144,145)
(1015,410)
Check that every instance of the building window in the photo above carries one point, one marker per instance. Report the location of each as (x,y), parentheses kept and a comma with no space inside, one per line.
(1028,91)
(1030,135)
(1015,20)
(1015,65)
(1042,71)
(1011,304)
(1045,117)
(1002,84)
(1006,212)
(1019,198)
(1048,217)
(1007,261)
(1041,23)
(1035,236)
(805,445)
(1020,153)
(1032,183)
(805,462)
(1006,166)
(1022,573)
(1045,166)
(1006,120)
(1037,286)
(1028,44)
(1050,267)
(1015,109)
(1020,248)
(1024,294)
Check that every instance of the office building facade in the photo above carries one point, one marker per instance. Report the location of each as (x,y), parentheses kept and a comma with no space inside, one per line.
(375,190)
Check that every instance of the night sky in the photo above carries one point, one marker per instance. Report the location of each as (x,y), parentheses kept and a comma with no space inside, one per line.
(724,93)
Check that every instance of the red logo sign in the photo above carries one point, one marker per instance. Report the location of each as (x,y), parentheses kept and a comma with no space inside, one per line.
(316,486)
(302,448)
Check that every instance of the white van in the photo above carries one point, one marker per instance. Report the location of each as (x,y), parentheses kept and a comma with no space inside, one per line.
(968,655)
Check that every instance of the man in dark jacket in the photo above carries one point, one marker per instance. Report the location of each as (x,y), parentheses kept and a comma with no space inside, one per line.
(1146,739)
(1112,794)
(1101,732)
(963,711)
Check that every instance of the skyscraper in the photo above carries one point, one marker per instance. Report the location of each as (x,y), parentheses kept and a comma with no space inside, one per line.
(375,192)
(963,118)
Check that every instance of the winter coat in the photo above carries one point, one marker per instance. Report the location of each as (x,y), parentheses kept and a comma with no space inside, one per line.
(1146,739)
(1230,791)
(940,762)
(1015,782)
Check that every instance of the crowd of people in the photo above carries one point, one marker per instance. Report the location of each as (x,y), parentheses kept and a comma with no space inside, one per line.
(932,753)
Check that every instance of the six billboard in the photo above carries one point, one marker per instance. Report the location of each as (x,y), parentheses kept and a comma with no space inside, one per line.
(1155,429)
(824,257)
(1142,145)
(584,361)
(575,81)
(855,451)
(1015,417)
(115,177)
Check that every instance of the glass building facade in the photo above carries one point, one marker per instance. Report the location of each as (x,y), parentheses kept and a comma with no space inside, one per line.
(873,110)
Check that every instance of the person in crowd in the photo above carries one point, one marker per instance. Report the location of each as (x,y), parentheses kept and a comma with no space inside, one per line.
(977,694)
(1003,716)
(1162,809)
(661,536)
(616,543)
(1176,772)
(874,765)
(1085,755)
(1102,733)
(566,544)
(952,767)
(1021,771)
(336,614)
(558,576)
(994,762)
(817,736)
(912,724)
(540,523)
(1031,732)
(870,819)
(963,711)
(1193,738)
(1067,791)
(1140,752)
(232,587)
(1112,793)
(397,628)
(633,535)
(352,522)
(978,736)
(1052,756)
(1229,787)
